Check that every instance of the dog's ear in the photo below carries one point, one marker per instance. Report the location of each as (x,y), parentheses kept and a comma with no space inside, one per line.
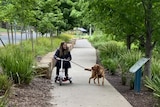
(92,68)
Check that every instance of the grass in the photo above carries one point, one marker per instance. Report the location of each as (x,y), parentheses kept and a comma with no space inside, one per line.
(3,30)
(17,64)
(4,82)
(5,85)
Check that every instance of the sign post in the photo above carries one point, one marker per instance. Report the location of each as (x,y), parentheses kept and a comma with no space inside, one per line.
(137,69)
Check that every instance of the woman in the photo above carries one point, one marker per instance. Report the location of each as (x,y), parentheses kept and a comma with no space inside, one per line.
(63,53)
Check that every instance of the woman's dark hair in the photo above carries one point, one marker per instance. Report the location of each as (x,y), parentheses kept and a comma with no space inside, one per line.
(63,51)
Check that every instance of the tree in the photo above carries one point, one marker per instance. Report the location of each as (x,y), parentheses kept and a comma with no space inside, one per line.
(72,14)
(133,20)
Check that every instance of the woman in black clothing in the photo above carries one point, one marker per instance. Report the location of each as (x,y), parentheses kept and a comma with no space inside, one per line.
(63,53)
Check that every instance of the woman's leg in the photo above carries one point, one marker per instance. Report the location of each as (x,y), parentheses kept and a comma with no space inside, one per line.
(66,72)
(57,71)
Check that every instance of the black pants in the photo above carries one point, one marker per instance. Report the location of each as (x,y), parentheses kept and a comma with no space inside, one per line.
(66,71)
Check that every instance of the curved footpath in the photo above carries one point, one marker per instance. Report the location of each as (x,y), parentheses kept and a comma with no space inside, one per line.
(80,93)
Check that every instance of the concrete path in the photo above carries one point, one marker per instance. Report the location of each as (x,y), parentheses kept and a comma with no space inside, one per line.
(80,93)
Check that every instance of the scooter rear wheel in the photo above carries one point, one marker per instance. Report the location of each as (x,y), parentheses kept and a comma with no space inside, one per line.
(70,81)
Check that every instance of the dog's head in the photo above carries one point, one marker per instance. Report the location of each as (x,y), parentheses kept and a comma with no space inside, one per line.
(96,67)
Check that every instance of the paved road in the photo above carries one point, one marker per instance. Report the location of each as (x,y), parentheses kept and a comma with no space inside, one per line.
(80,93)
(4,37)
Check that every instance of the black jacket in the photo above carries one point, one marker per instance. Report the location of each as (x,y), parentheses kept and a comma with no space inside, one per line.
(66,64)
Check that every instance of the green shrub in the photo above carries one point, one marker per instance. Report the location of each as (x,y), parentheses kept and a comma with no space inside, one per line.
(4,82)
(111,64)
(128,59)
(100,37)
(155,67)
(98,44)
(112,49)
(154,84)
(5,85)
(44,46)
(4,99)
(17,64)
(66,37)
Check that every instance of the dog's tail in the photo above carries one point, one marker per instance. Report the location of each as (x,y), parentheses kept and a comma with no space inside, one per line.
(87,69)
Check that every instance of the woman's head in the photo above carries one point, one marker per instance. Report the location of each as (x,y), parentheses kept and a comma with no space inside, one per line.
(63,46)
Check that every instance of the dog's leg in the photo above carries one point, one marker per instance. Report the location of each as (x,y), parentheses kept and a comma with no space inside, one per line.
(90,79)
(98,81)
(103,81)
(95,79)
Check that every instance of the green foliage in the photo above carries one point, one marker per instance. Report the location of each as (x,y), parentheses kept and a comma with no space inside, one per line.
(66,37)
(155,67)
(110,64)
(100,37)
(128,59)
(154,84)
(4,98)
(4,82)
(17,64)
(42,45)
(71,14)
(5,85)
(111,48)
(3,30)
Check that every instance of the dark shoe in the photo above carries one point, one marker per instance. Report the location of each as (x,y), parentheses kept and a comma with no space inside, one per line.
(56,77)
(66,78)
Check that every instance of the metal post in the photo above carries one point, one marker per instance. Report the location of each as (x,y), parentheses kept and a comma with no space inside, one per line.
(90,30)
(137,80)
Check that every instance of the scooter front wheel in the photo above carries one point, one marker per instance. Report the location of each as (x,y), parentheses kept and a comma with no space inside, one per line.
(70,82)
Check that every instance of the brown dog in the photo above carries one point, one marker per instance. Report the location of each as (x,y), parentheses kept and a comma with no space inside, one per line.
(97,72)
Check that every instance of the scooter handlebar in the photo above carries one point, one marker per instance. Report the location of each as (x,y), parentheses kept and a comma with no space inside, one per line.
(62,59)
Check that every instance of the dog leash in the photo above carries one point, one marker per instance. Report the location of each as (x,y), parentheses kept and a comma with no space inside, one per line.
(78,65)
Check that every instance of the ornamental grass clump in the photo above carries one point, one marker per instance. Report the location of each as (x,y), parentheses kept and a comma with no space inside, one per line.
(17,64)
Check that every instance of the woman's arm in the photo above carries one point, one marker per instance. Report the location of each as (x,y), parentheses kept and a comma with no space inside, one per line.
(69,56)
(56,55)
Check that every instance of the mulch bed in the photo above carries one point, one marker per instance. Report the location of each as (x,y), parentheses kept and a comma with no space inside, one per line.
(143,99)
(36,94)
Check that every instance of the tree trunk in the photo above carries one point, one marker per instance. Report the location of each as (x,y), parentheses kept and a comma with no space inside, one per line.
(129,42)
(51,36)
(141,43)
(31,33)
(9,41)
(148,45)
(15,33)
(26,34)
(12,33)
(21,35)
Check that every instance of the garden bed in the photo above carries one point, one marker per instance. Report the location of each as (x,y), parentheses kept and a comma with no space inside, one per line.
(36,94)
(143,99)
